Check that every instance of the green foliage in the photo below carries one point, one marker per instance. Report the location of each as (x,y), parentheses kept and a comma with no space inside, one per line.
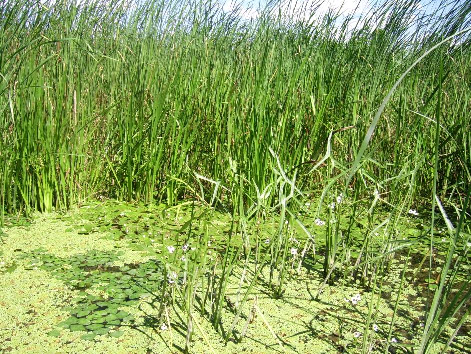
(164,101)
(120,286)
(111,109)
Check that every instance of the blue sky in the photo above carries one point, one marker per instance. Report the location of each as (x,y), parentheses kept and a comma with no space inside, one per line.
(250,7)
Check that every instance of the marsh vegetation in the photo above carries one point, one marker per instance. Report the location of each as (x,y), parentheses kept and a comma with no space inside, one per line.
(175,176)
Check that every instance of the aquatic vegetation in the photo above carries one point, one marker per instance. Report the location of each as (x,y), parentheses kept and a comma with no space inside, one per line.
(207,174)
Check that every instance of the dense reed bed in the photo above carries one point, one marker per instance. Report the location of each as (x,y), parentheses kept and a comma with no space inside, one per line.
(169,101)
(131,101)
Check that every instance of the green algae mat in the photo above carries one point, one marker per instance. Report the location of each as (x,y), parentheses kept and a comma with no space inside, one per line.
(111,277)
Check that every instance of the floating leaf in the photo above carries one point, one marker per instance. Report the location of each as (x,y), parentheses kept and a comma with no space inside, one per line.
(102,331)
(122,314)
(77,327)
(116,334)
(89,336)
(12,268)
(95,326)
(54,333)
(84,321)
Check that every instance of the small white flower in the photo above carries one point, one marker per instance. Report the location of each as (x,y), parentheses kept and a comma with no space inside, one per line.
(122,214)
(163,327)
(357,334)
(375,327)
(294,251)
(319,222)
(376,194)
(286,222)
(185,247)
(468,244)
(170,249)
(413,212)
(393,340)
(332,206)
(340,198)
(172,277)
(355,299)
(2,264)
(183,259)
(209,243)
(267,241)
(308,204)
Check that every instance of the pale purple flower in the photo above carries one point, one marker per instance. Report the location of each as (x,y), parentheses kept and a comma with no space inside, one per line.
(355,299)
(319,222)
(185,247)
(171,249)
(163,327)
(172,277)
(294,251)
(357,334)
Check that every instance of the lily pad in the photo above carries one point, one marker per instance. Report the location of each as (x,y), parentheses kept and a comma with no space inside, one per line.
(89,336)
(116,334)
(54,333)
(77,327)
